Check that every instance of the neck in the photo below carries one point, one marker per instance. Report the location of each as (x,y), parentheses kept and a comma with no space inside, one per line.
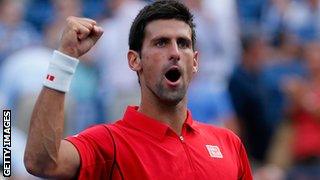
(172,115)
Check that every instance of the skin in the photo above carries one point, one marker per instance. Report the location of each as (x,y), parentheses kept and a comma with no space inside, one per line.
(167,44)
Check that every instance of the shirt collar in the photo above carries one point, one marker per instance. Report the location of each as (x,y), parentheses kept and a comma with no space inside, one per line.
(149,125)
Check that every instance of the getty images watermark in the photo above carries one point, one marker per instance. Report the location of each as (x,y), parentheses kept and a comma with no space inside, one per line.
(6,143)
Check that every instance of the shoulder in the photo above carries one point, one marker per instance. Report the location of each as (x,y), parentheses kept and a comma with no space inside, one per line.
(96,150)
(95,129)
(95,134)
(93,140)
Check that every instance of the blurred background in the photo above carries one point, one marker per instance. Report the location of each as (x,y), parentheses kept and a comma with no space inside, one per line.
(259,74)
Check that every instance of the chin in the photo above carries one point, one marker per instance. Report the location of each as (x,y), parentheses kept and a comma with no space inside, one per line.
(172,98)
(169,95)
(171,102)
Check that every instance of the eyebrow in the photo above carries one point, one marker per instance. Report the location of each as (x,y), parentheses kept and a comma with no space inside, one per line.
(187,40)
(154,40)
(166,38)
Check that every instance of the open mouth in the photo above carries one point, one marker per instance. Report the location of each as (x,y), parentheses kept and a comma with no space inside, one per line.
(173,74)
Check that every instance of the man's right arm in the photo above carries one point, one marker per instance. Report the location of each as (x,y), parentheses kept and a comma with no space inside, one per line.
(47,154)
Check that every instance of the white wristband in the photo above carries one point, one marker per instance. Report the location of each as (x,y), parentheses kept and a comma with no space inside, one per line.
(60,71)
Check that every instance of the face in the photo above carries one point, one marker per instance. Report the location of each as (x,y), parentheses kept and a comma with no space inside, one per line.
(167,61)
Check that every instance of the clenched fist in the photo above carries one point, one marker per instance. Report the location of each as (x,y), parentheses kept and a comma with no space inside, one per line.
(79,36)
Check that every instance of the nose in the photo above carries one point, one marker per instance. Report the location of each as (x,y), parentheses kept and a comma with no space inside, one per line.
(174,53)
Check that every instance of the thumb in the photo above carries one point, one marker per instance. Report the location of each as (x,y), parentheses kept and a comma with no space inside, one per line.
(96,33)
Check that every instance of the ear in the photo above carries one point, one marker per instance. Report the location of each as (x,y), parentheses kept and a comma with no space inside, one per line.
(195,62)
(134,60)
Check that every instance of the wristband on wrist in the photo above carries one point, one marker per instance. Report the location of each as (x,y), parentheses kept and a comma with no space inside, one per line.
(60,72)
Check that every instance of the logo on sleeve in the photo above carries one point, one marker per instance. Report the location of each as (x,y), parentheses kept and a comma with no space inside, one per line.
(214,151)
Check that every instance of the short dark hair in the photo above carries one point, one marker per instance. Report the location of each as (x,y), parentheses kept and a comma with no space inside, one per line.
(164,9)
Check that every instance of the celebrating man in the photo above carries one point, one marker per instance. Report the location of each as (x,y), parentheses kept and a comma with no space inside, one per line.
(157,139)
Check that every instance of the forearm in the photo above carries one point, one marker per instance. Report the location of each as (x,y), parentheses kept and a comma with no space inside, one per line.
(45,133)
(46,154)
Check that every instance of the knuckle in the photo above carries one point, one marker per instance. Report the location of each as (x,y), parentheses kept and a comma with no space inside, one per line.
(87,31)
(70,18)
(75,29)
(70,23)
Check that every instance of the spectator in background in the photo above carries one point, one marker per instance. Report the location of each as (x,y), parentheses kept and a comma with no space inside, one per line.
(249,97)
(286,25)
(218,45)
(118,85)
(304,111)
(15,33)
(284,62)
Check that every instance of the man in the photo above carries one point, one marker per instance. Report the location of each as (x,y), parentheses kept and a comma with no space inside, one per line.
(158,139)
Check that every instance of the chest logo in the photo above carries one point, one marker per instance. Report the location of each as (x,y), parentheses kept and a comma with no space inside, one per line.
(214,151)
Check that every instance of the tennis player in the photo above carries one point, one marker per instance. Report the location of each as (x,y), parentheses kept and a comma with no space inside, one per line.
(157,139)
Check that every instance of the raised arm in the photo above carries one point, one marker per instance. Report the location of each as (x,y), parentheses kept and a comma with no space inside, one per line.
(47,154)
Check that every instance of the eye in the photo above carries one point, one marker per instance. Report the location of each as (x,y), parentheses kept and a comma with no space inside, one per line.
(184,43)
(161,43)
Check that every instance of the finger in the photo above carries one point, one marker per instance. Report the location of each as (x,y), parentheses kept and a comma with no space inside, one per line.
(82,26)
(82,31)
(98,30)
(87,24)
(97,33)
(91,21)
(92,38)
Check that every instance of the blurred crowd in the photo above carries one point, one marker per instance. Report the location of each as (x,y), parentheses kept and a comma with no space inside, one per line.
(258,75)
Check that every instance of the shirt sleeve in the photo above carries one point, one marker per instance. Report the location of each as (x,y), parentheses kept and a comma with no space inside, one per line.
(245,165)
(244,170)
(95,147)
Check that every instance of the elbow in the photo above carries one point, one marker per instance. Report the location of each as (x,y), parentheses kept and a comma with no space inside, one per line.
(31,166)
(36,167)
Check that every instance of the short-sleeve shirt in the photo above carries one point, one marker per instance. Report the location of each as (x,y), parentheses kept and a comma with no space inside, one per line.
(139,147)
